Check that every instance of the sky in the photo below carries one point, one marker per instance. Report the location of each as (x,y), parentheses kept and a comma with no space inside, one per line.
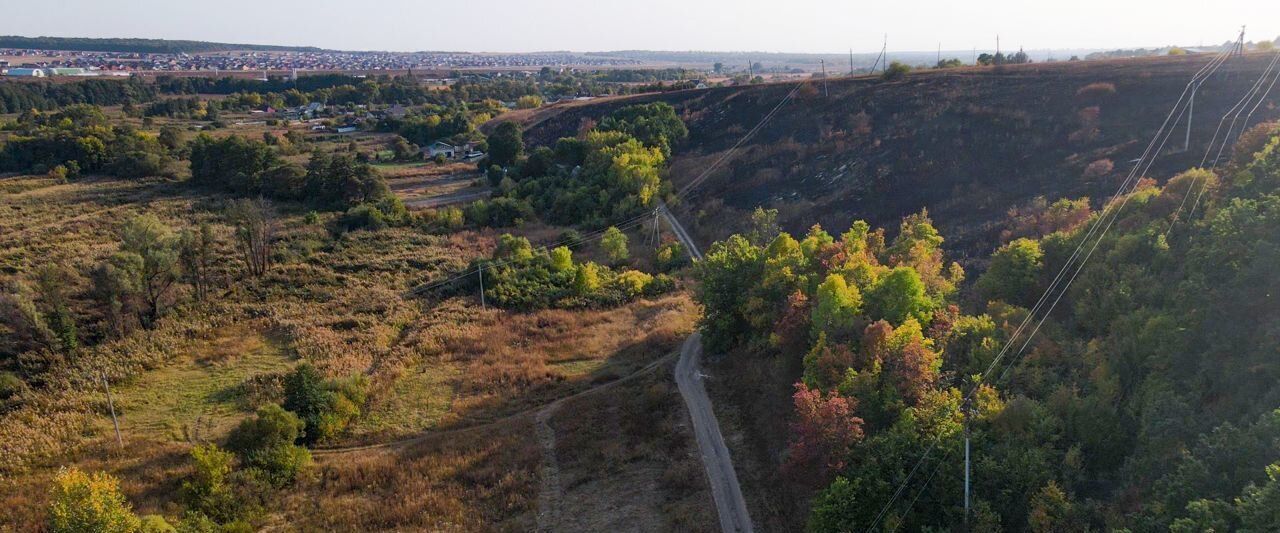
(824,26)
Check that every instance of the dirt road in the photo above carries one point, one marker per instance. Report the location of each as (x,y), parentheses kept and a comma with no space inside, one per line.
(725,490)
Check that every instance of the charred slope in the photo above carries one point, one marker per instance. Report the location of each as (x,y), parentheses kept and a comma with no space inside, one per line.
(966,143)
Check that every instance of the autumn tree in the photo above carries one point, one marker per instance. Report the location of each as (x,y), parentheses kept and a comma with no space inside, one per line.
(82,503)
(822,431)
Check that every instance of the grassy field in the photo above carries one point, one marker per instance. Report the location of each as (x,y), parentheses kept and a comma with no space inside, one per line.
(205,391)
(341,301)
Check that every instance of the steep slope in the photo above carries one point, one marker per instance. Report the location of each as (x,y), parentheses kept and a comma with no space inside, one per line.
(965,143)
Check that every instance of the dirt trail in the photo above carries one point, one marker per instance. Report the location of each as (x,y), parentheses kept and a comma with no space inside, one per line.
(725,489)
(550,492)
(426,434)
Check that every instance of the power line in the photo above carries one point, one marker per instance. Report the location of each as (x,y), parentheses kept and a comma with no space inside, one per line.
(1178,212)
(1107,210)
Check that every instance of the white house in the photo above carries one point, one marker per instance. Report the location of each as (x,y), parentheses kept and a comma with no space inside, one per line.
(441,148)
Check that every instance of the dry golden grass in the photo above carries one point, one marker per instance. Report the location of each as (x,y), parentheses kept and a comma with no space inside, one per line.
(629,462)
(469,481)
(340,302)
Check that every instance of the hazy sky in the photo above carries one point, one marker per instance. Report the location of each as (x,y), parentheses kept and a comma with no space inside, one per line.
(594,25)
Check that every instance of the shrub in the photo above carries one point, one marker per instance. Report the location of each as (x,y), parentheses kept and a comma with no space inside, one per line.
(1098,169)
(207,491)
(659,285)
(325,407)
(896,71)
(266,442)
(387,211)
(89,503)
(614,242)
(671,256)
(632,283)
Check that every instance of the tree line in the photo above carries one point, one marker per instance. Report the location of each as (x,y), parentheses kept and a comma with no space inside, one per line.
(1146,403)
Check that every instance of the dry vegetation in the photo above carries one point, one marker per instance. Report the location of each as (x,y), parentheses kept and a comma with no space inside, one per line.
(341,302)
(628,461)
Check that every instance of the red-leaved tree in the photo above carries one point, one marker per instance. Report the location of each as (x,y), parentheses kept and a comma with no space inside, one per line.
(821,434)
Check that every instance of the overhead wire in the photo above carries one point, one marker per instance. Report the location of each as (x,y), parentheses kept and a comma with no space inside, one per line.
(1121,193)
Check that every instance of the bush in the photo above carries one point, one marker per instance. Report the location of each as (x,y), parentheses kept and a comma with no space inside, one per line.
(325,407)
(266,442)
(614,242)
(207,491)
(896,71)
(139,164)
(671,256)
(81,503)
(659,285)
(386,212)
(632,283)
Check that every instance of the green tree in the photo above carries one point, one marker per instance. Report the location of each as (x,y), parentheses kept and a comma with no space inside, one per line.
(306,395)
(84,503)
(207,490)
(656,125)
(148,254)
(266,442)
(896,71)
(899,295)
(506,145)
(614,242)
(561,259)
(728,277)
(836,308)
(1014,273)
(1259,506)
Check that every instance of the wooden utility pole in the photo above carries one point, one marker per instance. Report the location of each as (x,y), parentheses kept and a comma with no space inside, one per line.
(823,62)
(851,62)
(482,304)
(112,406)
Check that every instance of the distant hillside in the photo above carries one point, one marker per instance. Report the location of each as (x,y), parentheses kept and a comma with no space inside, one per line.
(149,46)
(967,144)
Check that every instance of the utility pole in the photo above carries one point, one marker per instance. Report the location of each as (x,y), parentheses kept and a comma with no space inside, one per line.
(884,51)
(112,406)
(482,304)
(1240,43)
(850,62)
(823,62)
(1191,112)
(939,63)
(966,463)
